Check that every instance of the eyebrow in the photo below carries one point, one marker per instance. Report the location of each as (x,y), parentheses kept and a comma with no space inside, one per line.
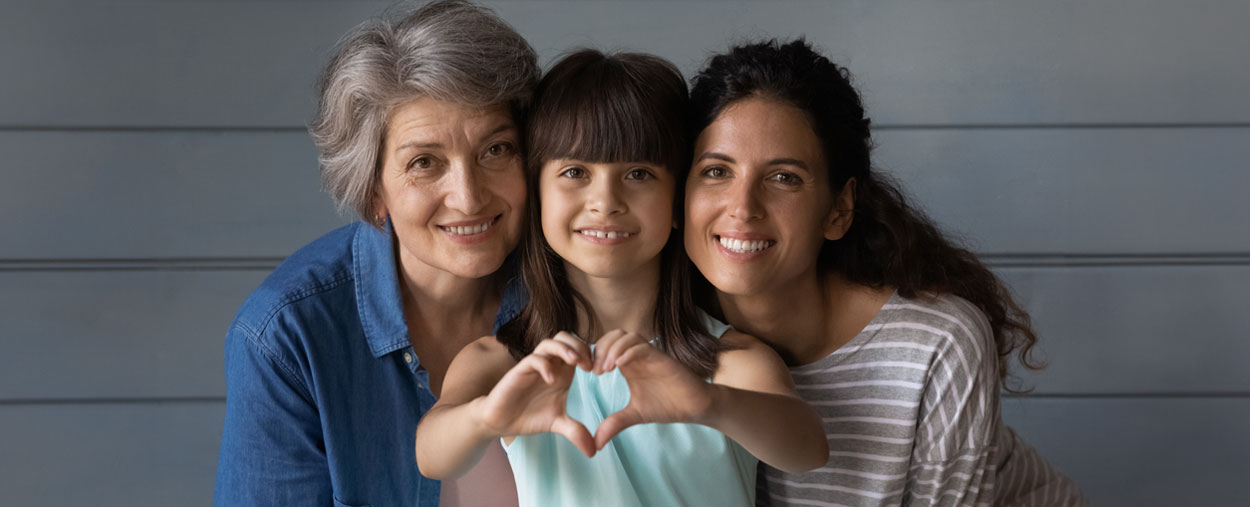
(776,161)
(419,145)
(716,156)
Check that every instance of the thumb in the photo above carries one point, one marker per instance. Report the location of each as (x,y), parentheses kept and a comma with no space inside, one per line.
(613,425)
(576,433)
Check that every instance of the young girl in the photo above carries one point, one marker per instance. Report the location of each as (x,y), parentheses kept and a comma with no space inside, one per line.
(609,294)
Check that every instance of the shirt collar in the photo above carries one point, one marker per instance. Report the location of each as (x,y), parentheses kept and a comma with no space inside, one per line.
(377,289)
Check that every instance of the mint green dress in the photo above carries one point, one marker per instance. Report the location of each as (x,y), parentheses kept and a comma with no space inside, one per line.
(645,465)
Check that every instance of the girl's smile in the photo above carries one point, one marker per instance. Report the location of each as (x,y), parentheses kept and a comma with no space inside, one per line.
(606,219)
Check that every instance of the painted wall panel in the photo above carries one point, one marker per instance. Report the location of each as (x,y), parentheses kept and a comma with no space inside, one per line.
(1104,330)
(1080,191)
(197,63)
(1174,329)
(108,195)
(1142,451)
(1122,452)
(110,455)
(117,334)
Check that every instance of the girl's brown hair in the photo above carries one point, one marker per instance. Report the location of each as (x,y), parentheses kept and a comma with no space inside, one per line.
(593,107)
(889,243)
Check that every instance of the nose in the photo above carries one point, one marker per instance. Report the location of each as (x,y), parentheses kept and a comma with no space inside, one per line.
(605,197)
(466,191)
(744,202)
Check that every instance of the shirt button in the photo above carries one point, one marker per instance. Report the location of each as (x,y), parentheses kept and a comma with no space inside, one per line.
(407,358)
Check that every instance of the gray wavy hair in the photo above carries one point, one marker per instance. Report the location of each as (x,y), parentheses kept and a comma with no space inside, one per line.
(453,51)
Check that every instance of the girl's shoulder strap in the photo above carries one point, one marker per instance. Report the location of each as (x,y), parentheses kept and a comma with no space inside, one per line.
(714,327)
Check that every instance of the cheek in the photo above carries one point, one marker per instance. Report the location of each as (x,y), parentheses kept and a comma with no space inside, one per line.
(552,211)
(698,207)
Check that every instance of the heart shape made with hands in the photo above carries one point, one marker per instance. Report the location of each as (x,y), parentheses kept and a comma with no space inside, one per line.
(531,398)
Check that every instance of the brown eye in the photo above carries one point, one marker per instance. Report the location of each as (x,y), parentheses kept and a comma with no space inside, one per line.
(499,149)
(574,173)
(639,174)
(421,163)
(715,172)
(787,179)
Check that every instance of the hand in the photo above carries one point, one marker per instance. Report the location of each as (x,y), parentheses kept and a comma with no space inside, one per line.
(661,389)
(531,397)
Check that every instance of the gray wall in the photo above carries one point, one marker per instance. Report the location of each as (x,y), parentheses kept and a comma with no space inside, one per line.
(154,168)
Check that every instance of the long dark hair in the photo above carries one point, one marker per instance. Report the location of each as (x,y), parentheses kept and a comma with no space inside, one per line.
(889,243)
(625,107)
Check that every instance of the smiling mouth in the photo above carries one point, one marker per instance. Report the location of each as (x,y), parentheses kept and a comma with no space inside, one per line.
(470,230)
(741,246)
(605,234)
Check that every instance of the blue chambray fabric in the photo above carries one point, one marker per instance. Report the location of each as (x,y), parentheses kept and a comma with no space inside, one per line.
(323,390)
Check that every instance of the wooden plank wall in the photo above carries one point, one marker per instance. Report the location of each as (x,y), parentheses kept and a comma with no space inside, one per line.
(154,166)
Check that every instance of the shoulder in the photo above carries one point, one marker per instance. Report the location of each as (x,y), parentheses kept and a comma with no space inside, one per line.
(322,266)
(486,349)
(749,363)
(942,323)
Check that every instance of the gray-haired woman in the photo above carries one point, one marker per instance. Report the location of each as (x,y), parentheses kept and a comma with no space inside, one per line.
(342,349)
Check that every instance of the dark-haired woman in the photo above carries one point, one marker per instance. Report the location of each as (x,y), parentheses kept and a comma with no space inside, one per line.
(898,337)
(608,293)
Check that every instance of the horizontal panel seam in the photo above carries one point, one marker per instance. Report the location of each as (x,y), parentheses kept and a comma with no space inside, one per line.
(878,127)
(1024,260)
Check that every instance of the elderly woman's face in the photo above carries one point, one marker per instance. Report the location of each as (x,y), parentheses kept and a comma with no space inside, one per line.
(758,206)
(453,186)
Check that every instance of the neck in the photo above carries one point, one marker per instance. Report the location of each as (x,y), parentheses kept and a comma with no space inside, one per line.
(807,318)
(436,302)
(625,302)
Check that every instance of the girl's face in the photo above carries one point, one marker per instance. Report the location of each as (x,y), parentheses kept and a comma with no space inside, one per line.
(758,205)
(606,219)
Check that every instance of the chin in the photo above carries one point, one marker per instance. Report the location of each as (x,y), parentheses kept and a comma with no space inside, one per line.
(736,283)
(480,265)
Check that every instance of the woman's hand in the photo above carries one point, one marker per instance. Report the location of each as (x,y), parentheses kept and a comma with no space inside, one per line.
(661,389)
(531,397)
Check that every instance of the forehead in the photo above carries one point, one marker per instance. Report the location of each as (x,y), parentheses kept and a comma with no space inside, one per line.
(755,129)
(425,116)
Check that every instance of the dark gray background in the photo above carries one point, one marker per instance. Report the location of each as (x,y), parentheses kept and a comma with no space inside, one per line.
(154,167)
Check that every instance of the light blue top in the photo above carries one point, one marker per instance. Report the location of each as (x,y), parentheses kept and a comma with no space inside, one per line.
(645,465)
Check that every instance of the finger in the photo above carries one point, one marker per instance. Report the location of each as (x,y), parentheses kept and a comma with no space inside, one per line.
(601,347)
(613,425)
(557,349)
(579,347)
(541,363)
(618,347)
(638,350)
(576,433)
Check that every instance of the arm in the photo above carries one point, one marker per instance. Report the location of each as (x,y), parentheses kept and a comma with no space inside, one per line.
(755,404)
(271,444)
(487,395)
(952,463)
(751,399)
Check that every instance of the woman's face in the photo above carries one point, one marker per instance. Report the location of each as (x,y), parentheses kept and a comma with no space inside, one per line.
(758,205)
(453,186)
(606,219)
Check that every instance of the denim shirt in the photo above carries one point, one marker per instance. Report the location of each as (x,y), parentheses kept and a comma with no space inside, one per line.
(323,389)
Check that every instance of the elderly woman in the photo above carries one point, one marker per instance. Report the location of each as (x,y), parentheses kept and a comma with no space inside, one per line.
(334,359)
(895,335)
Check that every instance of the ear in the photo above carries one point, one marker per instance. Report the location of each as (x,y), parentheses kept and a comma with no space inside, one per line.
(843,212)
(378,218)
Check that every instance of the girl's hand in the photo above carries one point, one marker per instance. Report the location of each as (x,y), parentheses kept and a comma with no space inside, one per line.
(661,390)
(531,397)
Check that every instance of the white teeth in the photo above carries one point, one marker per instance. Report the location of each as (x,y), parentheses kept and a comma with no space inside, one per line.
(606,235)
(469,230)
(740,246)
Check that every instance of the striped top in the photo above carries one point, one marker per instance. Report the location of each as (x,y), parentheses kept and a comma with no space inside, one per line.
(911,410)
